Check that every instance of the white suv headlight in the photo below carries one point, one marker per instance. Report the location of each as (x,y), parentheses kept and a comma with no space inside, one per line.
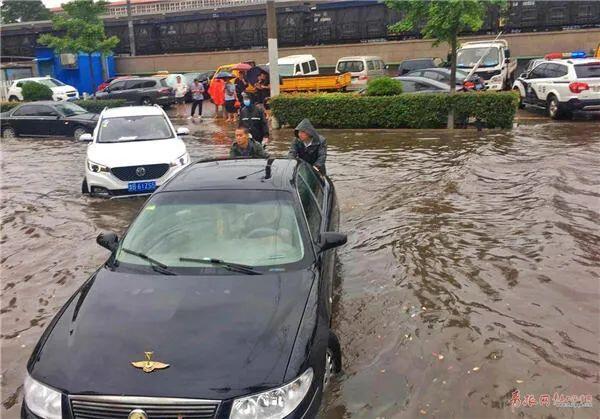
(273,404)
(181,160)
(41,400)
(96,167)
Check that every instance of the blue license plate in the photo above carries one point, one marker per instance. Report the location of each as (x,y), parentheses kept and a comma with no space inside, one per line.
(141,186)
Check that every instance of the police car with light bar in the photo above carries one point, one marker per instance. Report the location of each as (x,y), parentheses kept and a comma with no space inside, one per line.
(561,84)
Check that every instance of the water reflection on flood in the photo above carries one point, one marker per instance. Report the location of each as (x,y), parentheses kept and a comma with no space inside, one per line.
(471,268)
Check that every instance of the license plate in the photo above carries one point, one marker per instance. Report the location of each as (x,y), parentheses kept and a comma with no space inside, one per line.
(141,186)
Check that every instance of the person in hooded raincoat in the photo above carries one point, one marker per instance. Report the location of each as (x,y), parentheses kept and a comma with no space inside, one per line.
(309,146)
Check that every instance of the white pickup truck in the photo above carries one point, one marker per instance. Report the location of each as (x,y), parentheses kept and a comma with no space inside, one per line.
(496,68)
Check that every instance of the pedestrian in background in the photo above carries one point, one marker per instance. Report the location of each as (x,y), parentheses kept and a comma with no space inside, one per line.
(309,146)
(180,88)
(253,118)
(230,99)
(197,91)
(241,85)
(263,92)
(217,94)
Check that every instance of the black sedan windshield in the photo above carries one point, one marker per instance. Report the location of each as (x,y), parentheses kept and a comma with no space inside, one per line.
(69,109)
(185,229)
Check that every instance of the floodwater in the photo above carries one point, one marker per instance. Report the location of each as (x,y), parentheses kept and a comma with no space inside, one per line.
(471,269)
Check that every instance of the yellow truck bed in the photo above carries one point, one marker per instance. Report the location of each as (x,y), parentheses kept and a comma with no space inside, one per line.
(334,82)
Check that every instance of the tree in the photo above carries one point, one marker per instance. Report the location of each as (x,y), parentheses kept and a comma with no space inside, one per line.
(84,31)
(13,11)
(443,21)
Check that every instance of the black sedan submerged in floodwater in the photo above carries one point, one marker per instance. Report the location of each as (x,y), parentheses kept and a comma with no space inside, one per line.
(217,303)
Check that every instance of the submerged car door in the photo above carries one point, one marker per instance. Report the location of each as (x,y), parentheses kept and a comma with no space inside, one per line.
(315,193)
(133,91)
(49,121)
(33,120)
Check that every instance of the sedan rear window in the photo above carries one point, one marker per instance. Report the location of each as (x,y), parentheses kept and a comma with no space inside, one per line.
(586,71)
(350,66)
(134,128)
(183,229)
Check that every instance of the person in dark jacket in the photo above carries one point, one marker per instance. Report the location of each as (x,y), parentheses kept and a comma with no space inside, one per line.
(254,119)
(245,147)
(309,146)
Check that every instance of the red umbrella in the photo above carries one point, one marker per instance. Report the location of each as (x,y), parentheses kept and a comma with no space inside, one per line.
(242,67)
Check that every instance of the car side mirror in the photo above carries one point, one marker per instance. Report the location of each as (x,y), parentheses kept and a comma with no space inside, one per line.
(183,131)
(108,240)
(523,75)
(87,137)
(507,53)
(330,240)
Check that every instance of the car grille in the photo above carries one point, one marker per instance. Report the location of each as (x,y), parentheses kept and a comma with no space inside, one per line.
(486,75)
(131,173)
(72,94)
(115,407)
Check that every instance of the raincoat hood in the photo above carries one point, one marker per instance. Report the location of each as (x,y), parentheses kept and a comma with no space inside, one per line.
(306,126)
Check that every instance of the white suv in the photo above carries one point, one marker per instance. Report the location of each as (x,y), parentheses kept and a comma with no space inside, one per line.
(133,150)
(60,91)
(562,86)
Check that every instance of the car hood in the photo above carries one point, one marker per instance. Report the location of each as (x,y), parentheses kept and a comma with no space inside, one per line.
(223,335)
(136,152)
(63,89)
(84,117)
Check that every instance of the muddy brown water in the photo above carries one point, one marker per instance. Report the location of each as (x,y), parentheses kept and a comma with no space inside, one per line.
(471,269)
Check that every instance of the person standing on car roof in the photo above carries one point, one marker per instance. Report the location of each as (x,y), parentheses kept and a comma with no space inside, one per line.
(197,91)
(245,147)
(309,146)
(253,118)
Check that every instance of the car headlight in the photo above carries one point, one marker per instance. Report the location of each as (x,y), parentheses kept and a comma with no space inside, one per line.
(96,168)
(273,404)
(41,400)
(496,79)
(181,160)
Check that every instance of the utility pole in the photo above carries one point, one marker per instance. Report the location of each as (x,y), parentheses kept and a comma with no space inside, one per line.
(130,25)
(273,53)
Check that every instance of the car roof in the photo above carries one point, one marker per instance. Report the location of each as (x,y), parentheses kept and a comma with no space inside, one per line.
(576,61)
(38,102)
(32,78)
(360,57)
(131,111)
(234,174)
(293,59)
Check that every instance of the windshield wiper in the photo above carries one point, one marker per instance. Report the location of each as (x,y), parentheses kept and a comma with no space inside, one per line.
(154,264)
(236,267)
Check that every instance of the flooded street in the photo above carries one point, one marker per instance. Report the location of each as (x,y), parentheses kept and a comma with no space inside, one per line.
(472,267)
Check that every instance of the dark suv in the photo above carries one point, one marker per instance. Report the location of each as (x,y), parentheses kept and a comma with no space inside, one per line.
(139,91)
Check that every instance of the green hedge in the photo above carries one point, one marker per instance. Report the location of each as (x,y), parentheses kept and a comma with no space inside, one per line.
(384,86)
(90,105)
(341,110)
(32,91)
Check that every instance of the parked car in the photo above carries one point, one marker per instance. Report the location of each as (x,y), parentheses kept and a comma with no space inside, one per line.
(217,302)
(562,86)
(108,81)
(412,84)
(407,66)
(133,151)
(362,69)
(47,119)
(443,75)
(60,91)
(297,65)
(140,91)
(496,68)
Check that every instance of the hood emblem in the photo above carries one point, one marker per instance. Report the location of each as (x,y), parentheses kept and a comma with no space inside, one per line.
(148,365)
(137,414)
(140,171)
